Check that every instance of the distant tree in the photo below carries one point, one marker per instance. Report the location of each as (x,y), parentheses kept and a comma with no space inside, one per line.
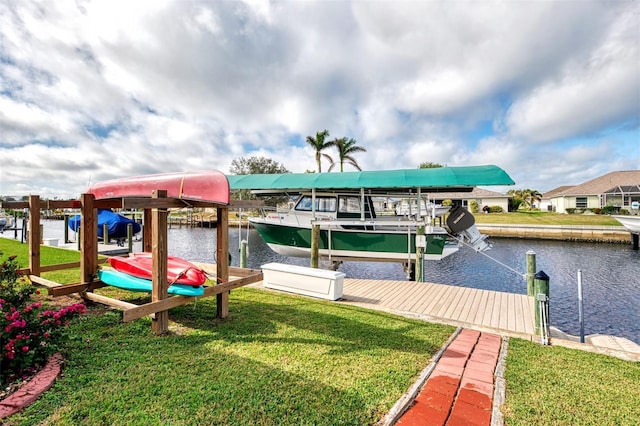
(523,197)
(253,166)
(256,165)
(429,165)
(318,143)
(346,149)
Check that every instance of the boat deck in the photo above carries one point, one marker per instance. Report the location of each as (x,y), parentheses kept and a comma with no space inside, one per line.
(507,313)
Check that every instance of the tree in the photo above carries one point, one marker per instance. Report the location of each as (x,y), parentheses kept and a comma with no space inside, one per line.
(318,143)
(346,148)
(429,165)
(524,197)
(253,166)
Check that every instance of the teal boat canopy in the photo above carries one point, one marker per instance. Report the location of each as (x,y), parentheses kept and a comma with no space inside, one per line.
(430,180)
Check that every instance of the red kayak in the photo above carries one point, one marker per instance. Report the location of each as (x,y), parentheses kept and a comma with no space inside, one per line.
(210,185)
(179,271)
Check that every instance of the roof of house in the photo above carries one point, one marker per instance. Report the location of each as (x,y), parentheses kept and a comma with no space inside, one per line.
(603,183)
(556,191)
(476,193)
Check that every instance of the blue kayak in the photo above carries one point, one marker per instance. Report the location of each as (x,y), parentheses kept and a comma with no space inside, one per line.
(129,282)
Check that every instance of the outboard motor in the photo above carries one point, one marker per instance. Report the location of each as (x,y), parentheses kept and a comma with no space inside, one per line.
(460,221)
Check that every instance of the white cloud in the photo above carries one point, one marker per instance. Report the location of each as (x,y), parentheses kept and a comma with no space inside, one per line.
(174,85)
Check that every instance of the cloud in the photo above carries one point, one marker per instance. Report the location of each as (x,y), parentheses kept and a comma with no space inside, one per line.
(102,89)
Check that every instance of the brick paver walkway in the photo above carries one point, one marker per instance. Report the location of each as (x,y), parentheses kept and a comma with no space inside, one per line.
(459,391)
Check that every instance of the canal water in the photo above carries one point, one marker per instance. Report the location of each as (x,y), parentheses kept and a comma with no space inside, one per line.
(610,273)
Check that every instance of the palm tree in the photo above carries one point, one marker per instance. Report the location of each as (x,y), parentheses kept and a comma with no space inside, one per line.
(346,148)
(531,196)
(320,145)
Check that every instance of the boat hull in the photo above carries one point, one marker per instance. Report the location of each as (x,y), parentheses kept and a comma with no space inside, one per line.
(131,283)
(352,243)
(632,223)
(179,271)
(211,186)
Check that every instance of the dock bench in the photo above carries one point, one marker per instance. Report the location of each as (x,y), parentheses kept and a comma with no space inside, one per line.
(313,282)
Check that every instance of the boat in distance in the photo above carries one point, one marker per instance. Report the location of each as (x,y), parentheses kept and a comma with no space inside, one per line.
(117,224)
(342,205)
(632,223)
(209,185)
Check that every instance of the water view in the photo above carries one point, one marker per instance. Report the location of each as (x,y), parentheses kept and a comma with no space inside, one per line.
(611,272)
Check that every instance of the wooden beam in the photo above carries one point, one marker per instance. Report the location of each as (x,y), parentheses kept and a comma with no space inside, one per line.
(39,280)
(159,252)
(234,271)
(222,265)
(227,287)
(34,234)
(63,290)
(110,203)
(146,231)
(173,301)
(115,303)
(59,266)
(14,205)
(155,307)
(61,204)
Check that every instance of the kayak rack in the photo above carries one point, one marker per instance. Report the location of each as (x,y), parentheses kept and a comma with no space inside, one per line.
(156,208)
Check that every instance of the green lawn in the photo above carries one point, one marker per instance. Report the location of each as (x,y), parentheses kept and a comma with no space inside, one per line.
(546,218)
(281,359)
(560,386)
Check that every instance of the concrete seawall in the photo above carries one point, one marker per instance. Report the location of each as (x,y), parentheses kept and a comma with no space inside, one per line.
(603,234)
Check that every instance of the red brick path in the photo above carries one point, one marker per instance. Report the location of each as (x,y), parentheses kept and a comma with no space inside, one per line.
(460,388)
(30,391)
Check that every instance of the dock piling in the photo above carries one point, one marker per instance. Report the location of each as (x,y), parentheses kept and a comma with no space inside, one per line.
(531,271)
(541,291)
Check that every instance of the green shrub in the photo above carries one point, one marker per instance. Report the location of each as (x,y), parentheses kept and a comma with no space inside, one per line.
(570,210)
(473,205)
(29,333)
(495,209)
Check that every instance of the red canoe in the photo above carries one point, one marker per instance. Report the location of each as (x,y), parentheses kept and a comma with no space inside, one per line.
(179,271)
(210,185)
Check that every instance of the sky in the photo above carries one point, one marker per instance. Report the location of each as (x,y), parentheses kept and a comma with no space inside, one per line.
(97,90)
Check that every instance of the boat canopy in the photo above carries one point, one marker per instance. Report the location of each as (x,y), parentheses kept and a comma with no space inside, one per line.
(432,180)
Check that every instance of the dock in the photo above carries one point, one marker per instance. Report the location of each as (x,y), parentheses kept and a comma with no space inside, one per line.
(484,310)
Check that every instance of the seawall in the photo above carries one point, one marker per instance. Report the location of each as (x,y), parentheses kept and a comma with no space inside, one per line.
(603,234)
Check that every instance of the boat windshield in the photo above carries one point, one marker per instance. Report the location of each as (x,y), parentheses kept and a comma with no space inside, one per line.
(323,204)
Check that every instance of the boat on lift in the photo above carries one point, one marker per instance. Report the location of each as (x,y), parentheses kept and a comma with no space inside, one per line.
(342,205)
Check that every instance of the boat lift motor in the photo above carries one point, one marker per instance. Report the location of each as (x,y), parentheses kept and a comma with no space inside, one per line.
(461,222)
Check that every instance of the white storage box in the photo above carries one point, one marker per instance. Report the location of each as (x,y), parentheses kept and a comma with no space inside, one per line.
(301,280)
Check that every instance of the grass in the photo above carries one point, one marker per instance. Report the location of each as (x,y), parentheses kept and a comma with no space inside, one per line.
(282,359)
(560,386)
(277,360)
(546,218)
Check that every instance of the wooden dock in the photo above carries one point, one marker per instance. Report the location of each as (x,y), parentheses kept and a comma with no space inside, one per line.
(505,313)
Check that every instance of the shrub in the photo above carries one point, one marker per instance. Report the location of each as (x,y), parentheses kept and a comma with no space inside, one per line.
(15,289)
(473,205)
(610,210)
(495,209)
(29,333)
(570,210)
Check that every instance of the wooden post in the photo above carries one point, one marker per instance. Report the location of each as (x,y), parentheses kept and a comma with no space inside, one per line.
(130,237)
(66,228)
(531,271)
(146,231)
(243,253)
(105,233)
(541,287)
(420,247)
(315,244)
(34,234)
(159,249)
(222,263)
(88,238)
